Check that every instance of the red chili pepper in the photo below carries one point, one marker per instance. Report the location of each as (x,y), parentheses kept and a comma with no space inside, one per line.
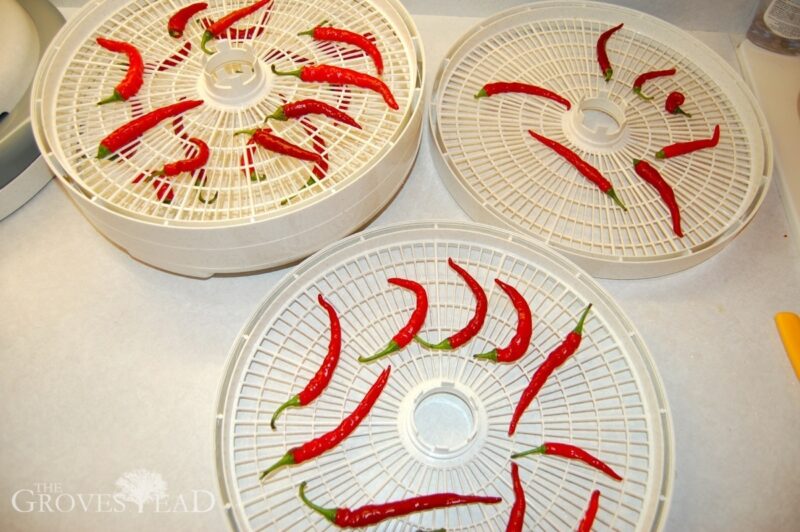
(372,514)
(415,322)
(682,148)
(517,517)
(322,33)
(176,58)
(323,375)
(588,518)
(647,76)
(301,108)
(502,87)
(164,191)
(673,104)
(190,164)
(133,79)
(474,325)
(137,127)
(518,345)
(267,140)
(177,22)
(570,451)
(328,441)
(646,171)
(341,76)
(587,170)
(555,359)
(219,27)
(602,56)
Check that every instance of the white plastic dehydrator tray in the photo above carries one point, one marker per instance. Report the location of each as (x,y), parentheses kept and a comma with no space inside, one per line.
(251,225)
(500,175)
(441,422)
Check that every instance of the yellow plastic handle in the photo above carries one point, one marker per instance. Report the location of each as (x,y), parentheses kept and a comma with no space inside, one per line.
(789,327)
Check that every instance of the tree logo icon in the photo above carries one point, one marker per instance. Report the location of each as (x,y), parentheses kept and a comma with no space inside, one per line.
(141,486)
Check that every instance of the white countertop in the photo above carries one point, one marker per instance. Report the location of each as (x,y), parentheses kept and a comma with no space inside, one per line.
(109,365)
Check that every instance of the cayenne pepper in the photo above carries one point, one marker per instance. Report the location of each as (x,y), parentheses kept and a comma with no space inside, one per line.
(341,76)
(326,33)
(572,452)
(325,372)
(177,22)
(555,359)
(503,87)
(588,518)
(587,170)
(673,104)
(269,141)
(650,175)
(412,327)
(138,126)
(473,327)
(133,79)
(647,76)
(328,441)
(190,164)
(372,514)
(519,343)
(219,27)
(682,148)
(517,517)
(301,108)
(602,56)
(164,191)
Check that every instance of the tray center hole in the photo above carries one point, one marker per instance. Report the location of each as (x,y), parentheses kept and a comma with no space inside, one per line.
(601,117)
(233,75)
(444,421)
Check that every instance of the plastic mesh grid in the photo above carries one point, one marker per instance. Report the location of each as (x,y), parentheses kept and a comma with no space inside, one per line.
(527,186)
(602,399)
(173,71)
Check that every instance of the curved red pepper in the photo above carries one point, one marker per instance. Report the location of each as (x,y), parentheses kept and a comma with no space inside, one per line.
(325,372)
(587,170)
(572,452)
(221,26)
(325,33)
(682,148)
(412,327)
(134,77)
(519,343)
(503,87)
(301,108)
(372,514)
(190,164)
(649,174)
(177,22)
(588,518)
(341,76)
(673,104)
(602,56)
(647,76)
(328,441)
(473,327)
(269,141)
(555,359)
(517,517)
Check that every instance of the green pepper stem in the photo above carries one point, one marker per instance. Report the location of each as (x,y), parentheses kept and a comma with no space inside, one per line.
(294,401)
(116,97)
(613,195)
(277,115)
(311,31)
(579,327)
(660,154)
(636,161)
(295,73)
(207,36)
(608,73)
(311,181)
(679,111)
(286,459)
(175,33)
(245,132)
(489,355)
(444,344)
(638,91)
(208,201)
(391,347)
(327,513)
(102,152)
(481,93)
(536,450)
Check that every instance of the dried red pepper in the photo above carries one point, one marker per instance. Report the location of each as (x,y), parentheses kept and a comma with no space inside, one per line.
(587,170)
(503,87)
(328,441)
(372,514)
(189,164)
(646,171)
(588,518)
(221,26)
(133,79)
(682,148)
(302,108)
(164,191)
(602,55)
(572,452)
(325,372)
(341,76)
(555,359)
(138,126)
(267,140)
(412,327)
(473,327)
(326,33)
(517,517)
(647,76)
(177,22)
(519,343)
(673,103)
